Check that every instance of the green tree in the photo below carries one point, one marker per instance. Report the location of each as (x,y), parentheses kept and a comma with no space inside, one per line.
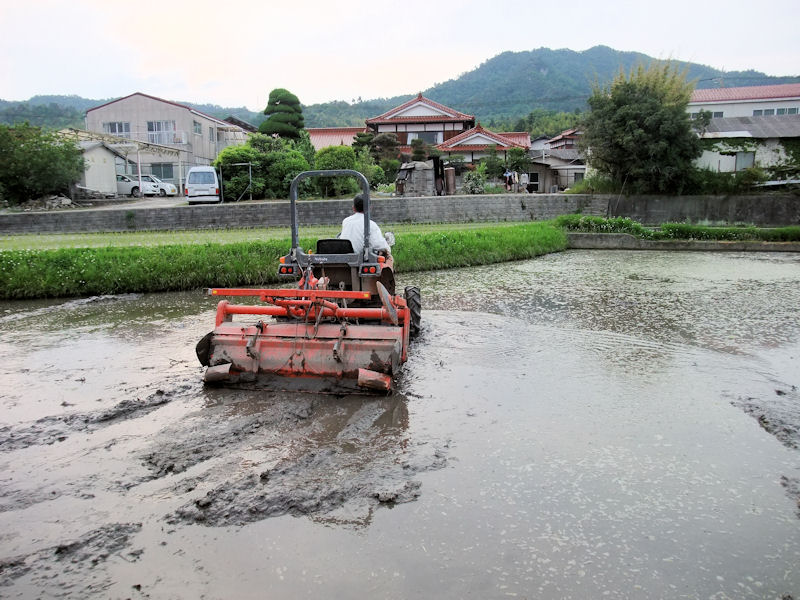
(638,132)
(418,150)
(365,165)
(284,115)
(363,139)
(518,160)
(236,175)
(279,168)
(34,162)
(336,157)
(304,146)
(390,168)
(384,145)
(493,165)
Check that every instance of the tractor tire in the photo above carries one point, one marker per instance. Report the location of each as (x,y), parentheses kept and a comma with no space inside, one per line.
(414,302)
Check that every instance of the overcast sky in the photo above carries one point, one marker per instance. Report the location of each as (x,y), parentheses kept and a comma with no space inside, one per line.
(234,53)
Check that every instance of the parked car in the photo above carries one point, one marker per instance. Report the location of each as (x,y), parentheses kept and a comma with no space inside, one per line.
(164,188)
(202,185)
(128,185)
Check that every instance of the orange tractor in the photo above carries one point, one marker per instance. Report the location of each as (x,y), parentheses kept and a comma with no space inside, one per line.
(339,330)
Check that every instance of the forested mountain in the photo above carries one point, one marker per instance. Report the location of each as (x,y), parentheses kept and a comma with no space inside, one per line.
(512,84)
(511,89)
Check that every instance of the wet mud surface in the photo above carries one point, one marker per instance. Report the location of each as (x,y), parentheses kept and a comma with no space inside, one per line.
(590,424)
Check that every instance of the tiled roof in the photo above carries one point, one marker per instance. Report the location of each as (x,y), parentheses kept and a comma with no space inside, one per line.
(322,137)
(780,126)
(756,92)
(520,138)
(502,143)
(568,133)
(450,114)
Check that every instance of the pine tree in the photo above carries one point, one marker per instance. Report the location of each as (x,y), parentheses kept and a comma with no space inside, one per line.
(284,115)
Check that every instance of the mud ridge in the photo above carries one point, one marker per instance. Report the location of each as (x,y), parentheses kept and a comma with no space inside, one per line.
(210,435)
(316,484)
(78,558)
(57,428)
(778,415)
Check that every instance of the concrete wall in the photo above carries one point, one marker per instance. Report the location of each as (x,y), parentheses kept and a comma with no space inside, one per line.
(764,210)
(437,209)
(624,241)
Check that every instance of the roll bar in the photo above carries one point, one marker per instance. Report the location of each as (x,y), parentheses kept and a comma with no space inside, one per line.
(329,173)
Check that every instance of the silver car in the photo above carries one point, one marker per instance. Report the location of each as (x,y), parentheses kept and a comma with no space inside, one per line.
(128,185)
(164,188)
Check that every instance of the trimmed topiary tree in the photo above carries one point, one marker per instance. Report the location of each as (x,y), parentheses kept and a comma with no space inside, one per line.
(284,115)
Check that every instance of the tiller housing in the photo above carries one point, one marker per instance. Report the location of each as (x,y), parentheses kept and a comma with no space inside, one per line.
(340,330)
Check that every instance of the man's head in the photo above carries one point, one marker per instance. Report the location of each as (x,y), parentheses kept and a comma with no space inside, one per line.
(358,203)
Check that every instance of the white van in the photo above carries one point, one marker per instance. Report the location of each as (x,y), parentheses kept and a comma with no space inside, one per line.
(202,185)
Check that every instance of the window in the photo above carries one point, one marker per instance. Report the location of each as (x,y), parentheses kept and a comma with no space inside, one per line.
(694,115)
(758,113)
(161,132)
(745,160)
(202,178)
(717,115)
(211,135)
(429,137)
(198,129)
(780,111)
(791,111)
(118,128)
(578,177)
(162,170)
(768,112)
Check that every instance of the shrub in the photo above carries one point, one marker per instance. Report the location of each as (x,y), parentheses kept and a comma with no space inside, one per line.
(475,181)
(594,184)
(279,170)
(390,168)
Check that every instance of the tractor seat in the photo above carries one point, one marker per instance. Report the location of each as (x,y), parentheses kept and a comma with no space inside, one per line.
(334,246)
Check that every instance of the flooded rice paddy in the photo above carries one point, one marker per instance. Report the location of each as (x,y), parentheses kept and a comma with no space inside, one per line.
(583,425)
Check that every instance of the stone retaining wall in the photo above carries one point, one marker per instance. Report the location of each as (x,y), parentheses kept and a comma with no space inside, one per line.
(765,210)
(624,241)
(444,209)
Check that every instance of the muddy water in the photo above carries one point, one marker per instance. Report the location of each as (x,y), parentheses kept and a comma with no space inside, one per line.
(584,425)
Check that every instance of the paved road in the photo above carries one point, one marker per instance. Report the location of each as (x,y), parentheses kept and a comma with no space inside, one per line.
(146,202)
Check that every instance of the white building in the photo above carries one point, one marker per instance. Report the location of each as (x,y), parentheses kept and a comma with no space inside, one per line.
(737,143)
(755,101)
(197,136)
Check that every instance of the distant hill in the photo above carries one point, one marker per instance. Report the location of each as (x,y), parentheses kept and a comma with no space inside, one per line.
(513,84)
(500,91)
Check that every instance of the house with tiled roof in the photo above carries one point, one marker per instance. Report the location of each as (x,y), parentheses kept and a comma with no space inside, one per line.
(475,143)
(421,118)
(753,101)
(198,137)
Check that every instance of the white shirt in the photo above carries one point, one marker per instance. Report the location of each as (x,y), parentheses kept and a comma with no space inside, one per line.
(353,230)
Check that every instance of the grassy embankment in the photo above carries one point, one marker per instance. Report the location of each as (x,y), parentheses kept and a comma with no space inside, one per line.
(92,264)
(677,231)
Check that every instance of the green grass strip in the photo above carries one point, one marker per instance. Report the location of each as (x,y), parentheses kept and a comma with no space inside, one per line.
(87,271)
(677,231)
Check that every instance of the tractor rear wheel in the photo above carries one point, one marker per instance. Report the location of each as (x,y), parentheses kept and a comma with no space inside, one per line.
(414,302)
